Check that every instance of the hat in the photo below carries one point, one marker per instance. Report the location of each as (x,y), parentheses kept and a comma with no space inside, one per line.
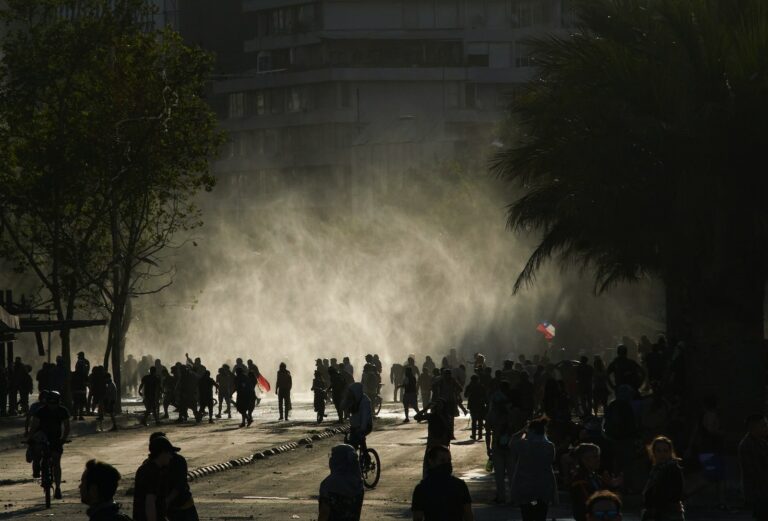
(161,444)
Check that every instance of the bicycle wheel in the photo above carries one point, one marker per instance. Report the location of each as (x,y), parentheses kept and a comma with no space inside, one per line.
(378,406)
(371,469)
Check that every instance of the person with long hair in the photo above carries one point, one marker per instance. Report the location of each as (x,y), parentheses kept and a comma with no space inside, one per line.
(663,493)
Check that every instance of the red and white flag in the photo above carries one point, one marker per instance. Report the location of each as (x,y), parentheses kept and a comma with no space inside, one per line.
(547,329)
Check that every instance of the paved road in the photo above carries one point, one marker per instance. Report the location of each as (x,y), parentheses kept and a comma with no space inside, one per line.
(281,487)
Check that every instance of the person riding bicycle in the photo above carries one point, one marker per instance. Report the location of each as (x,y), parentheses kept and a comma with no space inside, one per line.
(52,423)
(358,406)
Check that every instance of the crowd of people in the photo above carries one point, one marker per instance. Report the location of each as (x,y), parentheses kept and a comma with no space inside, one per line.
(590,426)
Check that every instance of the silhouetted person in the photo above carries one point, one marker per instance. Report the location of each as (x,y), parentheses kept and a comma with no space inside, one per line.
(625,371)
(226,387)
(534,487)
(425,386)
(477,403)
(338,390)
(98,485)
(110,400)
(283,385)
(410,393)
(395,378)
(205,386)
(663,492)
(148,390)
(151,482)
(246,396)
(341,493)
(441,496)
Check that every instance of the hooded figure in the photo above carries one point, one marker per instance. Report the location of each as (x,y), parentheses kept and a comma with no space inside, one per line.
(341,493)
(359,407)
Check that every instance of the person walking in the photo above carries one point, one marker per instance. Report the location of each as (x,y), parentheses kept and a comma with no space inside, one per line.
(149,488)
(179,503)
(342,492)
(410,393)
(338,390)
(98,485)
(425,385)
(283,385)
(226,387)
(205,386)
(477,403)
(440,496)
(246,396)
(148,390)
(663,492)
(533,483)
(753,459)
(110,401)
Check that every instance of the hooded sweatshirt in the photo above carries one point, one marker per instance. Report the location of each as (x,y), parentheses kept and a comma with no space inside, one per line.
(360,407)
(343,489)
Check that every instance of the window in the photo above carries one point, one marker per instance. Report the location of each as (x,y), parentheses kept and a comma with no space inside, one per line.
(477,55)
(260,103)
(236,105)
(264,61)
(527,13)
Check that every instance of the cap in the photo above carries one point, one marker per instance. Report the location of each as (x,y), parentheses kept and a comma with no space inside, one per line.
(161,444)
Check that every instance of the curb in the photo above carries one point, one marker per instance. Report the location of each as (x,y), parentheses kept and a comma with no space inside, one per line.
(207,470)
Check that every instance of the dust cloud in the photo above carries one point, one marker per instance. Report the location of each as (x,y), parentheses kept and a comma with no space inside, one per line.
(424,269)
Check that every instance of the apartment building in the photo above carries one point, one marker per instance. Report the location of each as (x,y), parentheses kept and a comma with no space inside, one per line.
(345,95)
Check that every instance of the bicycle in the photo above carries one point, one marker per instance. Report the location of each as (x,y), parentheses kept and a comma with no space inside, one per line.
(46,468)
(370,464)
(376,401)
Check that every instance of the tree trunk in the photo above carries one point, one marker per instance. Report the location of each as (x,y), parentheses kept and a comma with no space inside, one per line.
(718,312)
(66,356)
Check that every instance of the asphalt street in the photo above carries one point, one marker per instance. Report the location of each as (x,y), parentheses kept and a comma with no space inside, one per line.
(282,486)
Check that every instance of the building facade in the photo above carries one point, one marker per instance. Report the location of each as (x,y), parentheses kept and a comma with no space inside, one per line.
(345,95)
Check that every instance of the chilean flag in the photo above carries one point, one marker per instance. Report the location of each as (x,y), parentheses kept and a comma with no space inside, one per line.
(547,329)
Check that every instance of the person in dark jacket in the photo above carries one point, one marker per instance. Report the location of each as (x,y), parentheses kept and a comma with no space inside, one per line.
(663,493)
(440,496)
(410,393)
(338,391)
(283,385)
(477,402)
(342,492)
(205,386)
(97,490)
(246,396)
(179,503)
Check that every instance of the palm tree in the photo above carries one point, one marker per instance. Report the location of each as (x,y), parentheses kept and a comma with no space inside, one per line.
(643,155)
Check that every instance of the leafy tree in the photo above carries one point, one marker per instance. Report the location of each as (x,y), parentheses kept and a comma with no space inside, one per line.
(642,140)
(108,139)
